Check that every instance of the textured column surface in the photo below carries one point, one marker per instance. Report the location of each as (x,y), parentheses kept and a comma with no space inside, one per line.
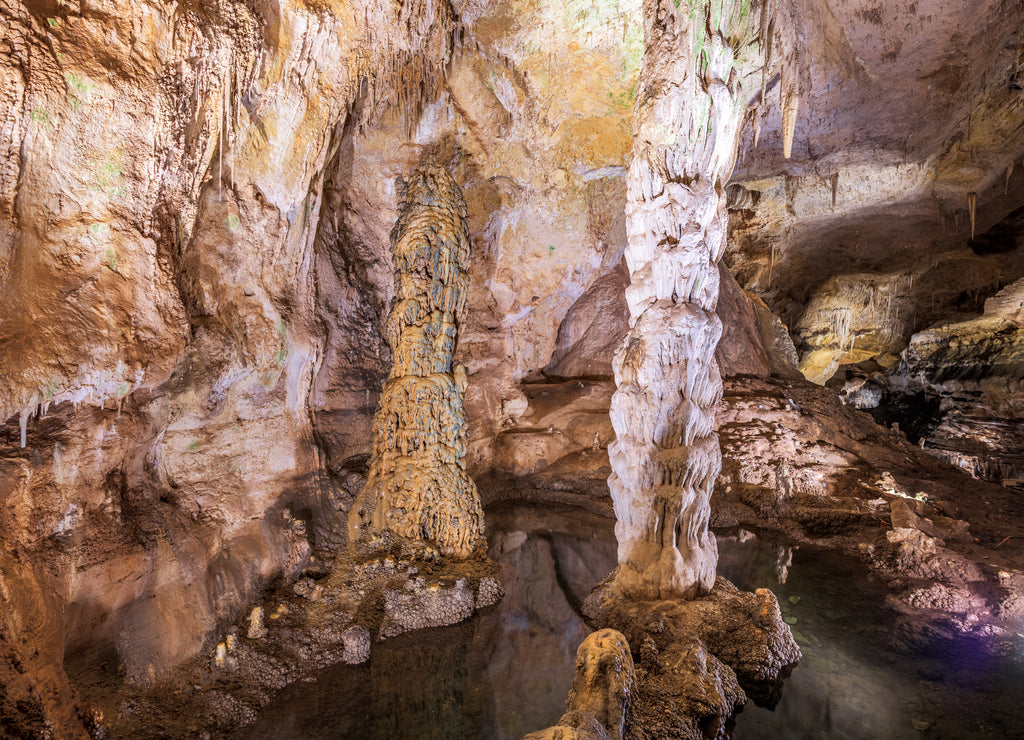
(703,61)
(417,486)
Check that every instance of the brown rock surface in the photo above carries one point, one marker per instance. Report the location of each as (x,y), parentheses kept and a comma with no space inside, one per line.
(698,659)
(603,687)
(195,275)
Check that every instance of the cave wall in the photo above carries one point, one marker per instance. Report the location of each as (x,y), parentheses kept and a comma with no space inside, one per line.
(194,265)
(163,175)
(195,203)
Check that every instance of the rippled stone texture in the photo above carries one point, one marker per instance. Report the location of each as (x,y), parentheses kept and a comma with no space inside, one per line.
(418,487)
(701,63)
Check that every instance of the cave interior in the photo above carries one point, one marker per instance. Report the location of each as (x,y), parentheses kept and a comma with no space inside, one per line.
(422,369)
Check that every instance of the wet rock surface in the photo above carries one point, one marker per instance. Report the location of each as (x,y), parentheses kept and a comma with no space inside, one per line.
(699,659)
(346,611)
(491,676)
(603,686)
(847,483)
(797,461)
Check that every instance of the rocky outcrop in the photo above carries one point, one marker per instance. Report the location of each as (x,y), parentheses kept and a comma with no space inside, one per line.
(418,487)
(603,687)
(800,462)
(987,348)
(556,448)
(36,698)
(699,659)
(852,318)
(754,341)
(969,374)
(593,329)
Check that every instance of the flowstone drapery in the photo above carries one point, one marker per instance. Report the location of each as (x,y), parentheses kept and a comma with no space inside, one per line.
(704,61)
(417,486)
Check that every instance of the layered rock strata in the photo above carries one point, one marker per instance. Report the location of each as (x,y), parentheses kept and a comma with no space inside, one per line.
(418,487)
(699,69)
(957,388)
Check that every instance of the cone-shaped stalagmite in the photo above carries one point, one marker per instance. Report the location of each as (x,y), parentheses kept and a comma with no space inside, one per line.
(418,487)
(702,64)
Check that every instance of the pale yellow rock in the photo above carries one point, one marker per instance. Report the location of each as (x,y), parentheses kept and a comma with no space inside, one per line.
(418,487)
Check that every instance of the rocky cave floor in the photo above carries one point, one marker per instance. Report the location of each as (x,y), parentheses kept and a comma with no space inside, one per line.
(799,467)
(341,602)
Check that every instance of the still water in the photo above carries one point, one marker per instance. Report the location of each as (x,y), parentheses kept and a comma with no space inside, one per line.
(507,672)
(859,677)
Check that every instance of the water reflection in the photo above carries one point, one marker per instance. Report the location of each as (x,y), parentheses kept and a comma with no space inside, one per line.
(854,681)
(498,676)
(507,672)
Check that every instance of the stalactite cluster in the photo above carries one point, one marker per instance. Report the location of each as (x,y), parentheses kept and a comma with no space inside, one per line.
(702,62)
(401,66)
(418,487)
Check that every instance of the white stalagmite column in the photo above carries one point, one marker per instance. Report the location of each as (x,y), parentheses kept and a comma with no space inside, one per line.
(703,62)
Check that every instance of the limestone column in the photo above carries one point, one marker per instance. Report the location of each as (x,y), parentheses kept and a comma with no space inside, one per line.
(417,485)
(702,64)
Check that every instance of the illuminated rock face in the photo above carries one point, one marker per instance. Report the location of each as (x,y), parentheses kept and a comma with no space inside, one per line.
(698,65)
(602,689)
(418,487)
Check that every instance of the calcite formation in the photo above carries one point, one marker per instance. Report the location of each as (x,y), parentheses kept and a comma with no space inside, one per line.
(701,64)
(602,688)
(419,605)
(700,660)
(418,487)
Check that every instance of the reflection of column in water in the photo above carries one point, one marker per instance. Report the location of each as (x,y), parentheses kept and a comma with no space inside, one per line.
(419,691)
(783,559)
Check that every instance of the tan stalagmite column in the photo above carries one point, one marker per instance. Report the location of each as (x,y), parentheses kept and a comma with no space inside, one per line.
(418,487)
(702,64)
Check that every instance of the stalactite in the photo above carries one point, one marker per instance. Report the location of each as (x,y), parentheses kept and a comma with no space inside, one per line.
(972,209)
(840,321)
(700,67)
(790,105)
(417,486)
